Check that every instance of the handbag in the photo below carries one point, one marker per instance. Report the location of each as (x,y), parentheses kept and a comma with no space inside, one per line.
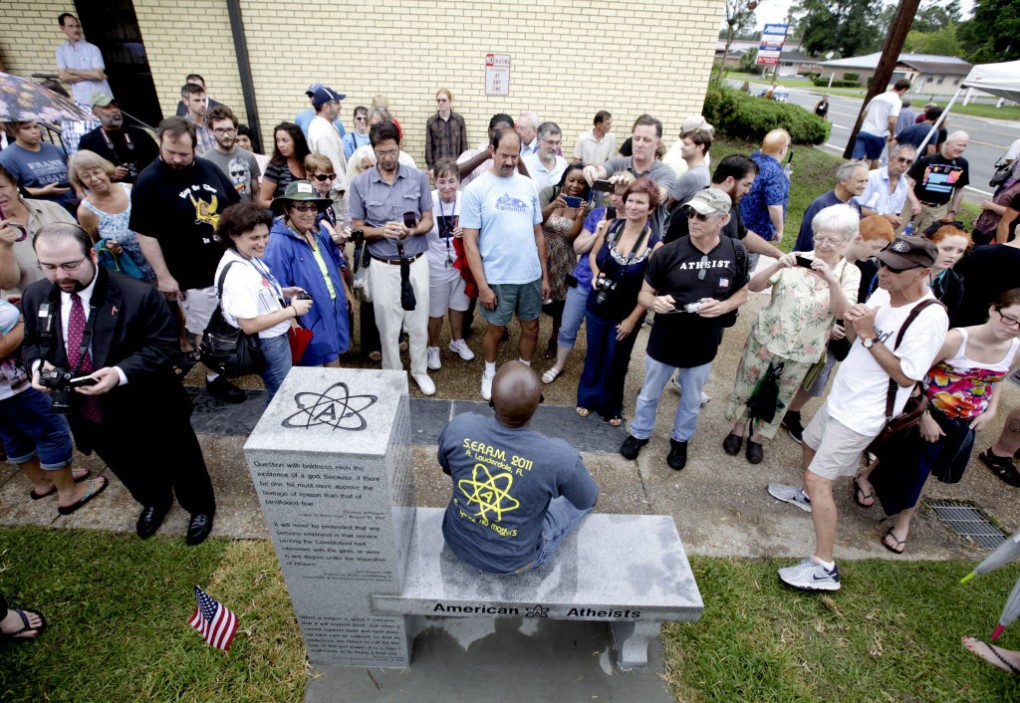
(1001,175)
(897,427)
(226,349)
(360,288)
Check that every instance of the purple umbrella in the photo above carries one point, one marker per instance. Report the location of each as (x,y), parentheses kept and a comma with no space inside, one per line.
(22,100)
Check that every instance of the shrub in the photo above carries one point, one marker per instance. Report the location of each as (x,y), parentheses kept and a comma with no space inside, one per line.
(824,83)
(742,116)
(852,77)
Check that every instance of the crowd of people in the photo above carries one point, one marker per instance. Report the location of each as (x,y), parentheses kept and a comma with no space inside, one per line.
(120,255)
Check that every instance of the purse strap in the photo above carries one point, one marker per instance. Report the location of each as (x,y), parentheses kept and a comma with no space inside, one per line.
(890,397)
(222,278)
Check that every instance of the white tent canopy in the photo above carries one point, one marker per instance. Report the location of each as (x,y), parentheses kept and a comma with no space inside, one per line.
(1001,79)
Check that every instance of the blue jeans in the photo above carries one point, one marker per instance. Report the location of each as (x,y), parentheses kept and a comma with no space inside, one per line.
(657,375)
(560,518)
(573,315)
(278,363)
(29,428)
(605,367)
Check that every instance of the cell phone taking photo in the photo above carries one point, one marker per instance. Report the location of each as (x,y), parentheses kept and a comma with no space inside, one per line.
(410,219)
(803,261)
(603,185)
(610,213)
(571,201)
(83,381)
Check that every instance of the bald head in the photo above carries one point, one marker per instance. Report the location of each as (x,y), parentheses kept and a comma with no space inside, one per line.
(516,394)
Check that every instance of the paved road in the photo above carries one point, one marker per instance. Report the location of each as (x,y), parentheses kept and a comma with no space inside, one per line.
(989,138)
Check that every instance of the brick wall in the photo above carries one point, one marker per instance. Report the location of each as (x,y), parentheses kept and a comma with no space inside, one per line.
(568,61)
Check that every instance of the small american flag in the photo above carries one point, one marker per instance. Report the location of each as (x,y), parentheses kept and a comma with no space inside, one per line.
(214,621)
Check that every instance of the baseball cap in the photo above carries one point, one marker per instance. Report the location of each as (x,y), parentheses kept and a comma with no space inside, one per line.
(709,200)
(323,95)
(312,88)
(909,252)
(101,99)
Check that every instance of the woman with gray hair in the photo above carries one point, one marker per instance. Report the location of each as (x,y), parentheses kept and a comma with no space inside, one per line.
(809,292)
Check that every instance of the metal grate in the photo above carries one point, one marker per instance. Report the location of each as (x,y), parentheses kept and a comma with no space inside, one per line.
(969,521)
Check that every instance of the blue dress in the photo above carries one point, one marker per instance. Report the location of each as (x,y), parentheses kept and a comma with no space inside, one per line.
(293,264)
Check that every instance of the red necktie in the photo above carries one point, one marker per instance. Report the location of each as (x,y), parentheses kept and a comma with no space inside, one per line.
(75,332)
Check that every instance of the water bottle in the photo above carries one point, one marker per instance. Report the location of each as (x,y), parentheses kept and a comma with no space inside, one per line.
(909,230)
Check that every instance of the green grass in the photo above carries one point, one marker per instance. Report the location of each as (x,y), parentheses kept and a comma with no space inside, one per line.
(118,607)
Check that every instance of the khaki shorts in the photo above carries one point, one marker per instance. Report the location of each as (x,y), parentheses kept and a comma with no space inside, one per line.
(198,306)
(837,447)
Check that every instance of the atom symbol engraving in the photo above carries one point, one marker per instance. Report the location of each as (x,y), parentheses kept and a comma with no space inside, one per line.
(339,412)
(536,612)
(489,494)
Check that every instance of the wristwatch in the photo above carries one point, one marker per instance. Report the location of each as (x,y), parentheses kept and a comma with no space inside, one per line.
(869,343)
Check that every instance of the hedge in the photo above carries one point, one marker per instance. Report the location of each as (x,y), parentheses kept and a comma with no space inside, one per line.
(837,83)
(748,118)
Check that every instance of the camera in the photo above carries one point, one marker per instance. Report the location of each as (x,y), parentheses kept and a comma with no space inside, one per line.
(357,235)
(303,296)
(59,382)
(693,308)
(604,285)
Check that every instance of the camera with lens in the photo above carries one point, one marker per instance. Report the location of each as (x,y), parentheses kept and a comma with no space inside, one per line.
(59,382)
(357,235)
(604,285)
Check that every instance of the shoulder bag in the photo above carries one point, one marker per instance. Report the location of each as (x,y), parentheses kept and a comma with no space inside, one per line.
(359,286)
(227,349)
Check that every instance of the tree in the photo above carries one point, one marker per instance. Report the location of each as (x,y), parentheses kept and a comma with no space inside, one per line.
(993,34)
(846,27)
(738,14)
(941,42)
(749,62)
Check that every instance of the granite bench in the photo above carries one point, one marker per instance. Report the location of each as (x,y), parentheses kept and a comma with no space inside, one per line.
(628,570)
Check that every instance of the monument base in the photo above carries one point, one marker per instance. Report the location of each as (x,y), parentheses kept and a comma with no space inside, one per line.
(509,659)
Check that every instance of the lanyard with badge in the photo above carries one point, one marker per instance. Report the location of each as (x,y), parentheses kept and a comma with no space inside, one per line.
(263,270)
(448,223)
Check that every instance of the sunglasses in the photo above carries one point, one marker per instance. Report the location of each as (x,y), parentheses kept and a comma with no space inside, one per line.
(894,270)
(692,215)
(304,207)
(325,176)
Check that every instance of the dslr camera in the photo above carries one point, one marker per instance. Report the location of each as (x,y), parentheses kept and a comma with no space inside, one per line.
(59,382)
(604,285)
(357,235)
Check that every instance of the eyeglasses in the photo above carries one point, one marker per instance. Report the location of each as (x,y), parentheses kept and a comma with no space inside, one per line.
(1007,320)
(360,118)
(829,241)
(904,160)
(69,266)
(224,130)
(325,176)
(304,207)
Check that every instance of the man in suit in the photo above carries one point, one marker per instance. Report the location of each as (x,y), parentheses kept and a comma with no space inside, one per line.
(121,333)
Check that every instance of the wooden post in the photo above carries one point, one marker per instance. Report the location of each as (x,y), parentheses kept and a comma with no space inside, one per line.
(887,63)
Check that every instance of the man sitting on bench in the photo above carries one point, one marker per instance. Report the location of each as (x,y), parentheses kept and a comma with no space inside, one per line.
(516,493)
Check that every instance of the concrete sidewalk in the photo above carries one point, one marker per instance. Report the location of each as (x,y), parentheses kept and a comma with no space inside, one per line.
(719,502)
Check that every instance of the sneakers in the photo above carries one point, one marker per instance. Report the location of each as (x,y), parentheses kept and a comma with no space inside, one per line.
(677,458)
(487,385)
(223,389)
(631,447)
(425,384)
(434,362)
(791,423)
(809,575)
(705,398)
(461,349)
(794,495)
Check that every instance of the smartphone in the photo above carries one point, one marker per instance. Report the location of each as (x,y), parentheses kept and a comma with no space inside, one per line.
(410,219)
(789,159)
(572,201)
(602,184)
(804,262)
(83,381)
(610,213)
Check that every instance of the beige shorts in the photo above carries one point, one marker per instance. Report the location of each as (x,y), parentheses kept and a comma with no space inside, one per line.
(198,306)
(837,447)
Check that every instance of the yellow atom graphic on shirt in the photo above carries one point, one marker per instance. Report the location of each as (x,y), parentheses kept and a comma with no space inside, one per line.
(491,493)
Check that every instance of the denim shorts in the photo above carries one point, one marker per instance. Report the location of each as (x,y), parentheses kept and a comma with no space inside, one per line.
(524,299)
(868,145)
(29,428)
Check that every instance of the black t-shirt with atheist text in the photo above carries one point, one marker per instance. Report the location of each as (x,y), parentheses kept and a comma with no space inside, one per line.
(679,269)
(181,209)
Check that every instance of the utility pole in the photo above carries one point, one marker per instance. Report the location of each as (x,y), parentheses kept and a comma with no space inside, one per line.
(887,63)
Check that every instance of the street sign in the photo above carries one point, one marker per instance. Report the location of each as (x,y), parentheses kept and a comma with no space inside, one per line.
(497,74)
(771,44)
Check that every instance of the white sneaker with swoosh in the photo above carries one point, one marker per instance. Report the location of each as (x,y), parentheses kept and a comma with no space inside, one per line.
(809,575)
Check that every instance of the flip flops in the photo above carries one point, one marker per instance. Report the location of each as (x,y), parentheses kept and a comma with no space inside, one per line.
(79,476)
(860,496)
(1001,466)
(92,493)
(994,651)
(901,544)
(16,635)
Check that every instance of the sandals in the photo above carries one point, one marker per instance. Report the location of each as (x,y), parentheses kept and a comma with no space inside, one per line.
(994,651)
(860,496)
(27,627)
(551,375)
(78,474)
(583,412)
(92,493)
(898,547)
(1001,466)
